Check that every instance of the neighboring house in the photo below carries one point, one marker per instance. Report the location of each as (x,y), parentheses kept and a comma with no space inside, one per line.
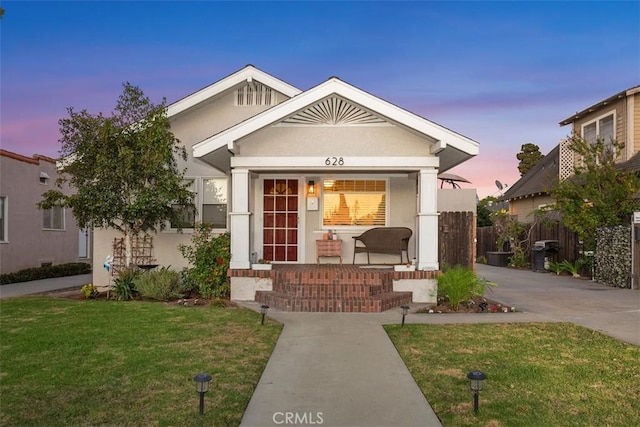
(617,117)
(279,167)
(30,237)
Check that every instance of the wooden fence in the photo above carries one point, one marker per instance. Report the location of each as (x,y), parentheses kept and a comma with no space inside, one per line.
(567,241)
(456,238)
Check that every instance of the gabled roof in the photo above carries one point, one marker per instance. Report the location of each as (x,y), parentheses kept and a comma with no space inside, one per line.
(248,73)
(539,179)
(445,139)
(598,105)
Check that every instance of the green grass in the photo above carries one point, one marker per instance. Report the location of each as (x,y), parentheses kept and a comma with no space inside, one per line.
(93,362)
(551,374)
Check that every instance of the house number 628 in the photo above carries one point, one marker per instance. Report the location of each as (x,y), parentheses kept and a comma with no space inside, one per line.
(334,161)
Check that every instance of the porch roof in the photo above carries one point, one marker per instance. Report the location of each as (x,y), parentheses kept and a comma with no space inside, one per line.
(450,147)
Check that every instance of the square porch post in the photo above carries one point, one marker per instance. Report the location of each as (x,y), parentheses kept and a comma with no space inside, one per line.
(239,220)
(427,220)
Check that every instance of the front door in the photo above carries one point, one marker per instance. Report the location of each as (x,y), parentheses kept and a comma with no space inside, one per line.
(280,220)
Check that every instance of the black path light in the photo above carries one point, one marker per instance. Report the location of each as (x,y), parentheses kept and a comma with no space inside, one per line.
(202,386)
(475,384)
(263,311)
(405,311)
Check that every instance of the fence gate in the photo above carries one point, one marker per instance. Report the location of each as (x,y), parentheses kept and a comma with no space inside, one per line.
(456,238)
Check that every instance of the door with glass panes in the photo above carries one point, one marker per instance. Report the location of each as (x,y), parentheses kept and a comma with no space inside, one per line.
(280,220)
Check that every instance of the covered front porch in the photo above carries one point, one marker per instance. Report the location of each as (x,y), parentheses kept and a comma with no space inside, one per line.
(352,288)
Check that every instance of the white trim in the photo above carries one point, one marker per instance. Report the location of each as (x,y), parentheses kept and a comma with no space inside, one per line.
(370,164)
(248,73)
(351,93)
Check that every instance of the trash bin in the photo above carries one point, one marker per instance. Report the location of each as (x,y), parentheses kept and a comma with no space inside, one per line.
(542,249)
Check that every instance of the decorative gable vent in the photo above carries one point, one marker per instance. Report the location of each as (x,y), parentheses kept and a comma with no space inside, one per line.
(333,111)
(255,93)
(567,158)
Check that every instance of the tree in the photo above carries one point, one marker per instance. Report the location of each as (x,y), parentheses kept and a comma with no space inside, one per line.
(529,156)
(123,168)
(483,215)
(598,194)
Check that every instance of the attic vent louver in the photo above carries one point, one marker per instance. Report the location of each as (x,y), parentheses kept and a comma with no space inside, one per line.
(254,93)
(334,111)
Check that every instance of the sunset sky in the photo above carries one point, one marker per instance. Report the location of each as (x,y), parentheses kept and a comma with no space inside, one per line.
(501,73)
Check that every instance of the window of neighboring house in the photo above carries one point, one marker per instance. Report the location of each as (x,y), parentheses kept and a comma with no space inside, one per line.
(602,128)
(3,219)
(186,215)
(53,219)
(44,178)
(214,202)
(354,202)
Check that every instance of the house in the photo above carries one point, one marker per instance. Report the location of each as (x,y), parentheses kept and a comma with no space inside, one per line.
(617,117)
(30,237)
(280,168)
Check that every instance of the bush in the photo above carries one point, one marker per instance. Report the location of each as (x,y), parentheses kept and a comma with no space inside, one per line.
(61,270)
(459,284)
(124,284)
(161,285)
(209,258)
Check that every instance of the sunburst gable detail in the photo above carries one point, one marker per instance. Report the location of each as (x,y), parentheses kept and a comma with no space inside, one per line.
(333,111)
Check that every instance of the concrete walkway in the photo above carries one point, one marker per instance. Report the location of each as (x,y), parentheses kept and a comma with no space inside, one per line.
(45,285)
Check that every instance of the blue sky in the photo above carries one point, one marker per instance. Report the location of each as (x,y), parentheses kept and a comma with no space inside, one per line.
(501,73)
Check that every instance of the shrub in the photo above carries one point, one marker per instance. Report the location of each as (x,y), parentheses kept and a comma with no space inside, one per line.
(89,291)
(123,285)
(459,284)
(60,270)
(209,257)
(161,285)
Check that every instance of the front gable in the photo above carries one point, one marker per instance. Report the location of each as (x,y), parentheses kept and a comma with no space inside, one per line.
(330,114)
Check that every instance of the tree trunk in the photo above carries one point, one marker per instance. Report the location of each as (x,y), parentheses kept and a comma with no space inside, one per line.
(128,249)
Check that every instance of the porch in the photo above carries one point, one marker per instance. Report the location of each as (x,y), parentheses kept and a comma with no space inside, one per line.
(333,287)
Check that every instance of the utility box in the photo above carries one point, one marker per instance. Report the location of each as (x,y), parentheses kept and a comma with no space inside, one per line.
(542,250)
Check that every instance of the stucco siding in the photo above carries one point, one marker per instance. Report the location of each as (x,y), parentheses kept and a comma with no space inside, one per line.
(334,141)
(457,200)
(28,244)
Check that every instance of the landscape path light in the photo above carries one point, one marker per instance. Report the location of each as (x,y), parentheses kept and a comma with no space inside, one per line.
(475,384)
(263,311)
(202,386)
(405,311)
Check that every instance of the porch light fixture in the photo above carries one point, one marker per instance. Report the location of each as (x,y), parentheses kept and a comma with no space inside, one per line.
(311,188)
(405,311)
(202,386)
(263,311)
(475,384)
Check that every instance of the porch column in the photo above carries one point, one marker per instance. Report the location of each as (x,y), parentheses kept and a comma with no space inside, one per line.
(239,220)
(427,220)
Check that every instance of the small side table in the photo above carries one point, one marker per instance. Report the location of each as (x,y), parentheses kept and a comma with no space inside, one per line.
(329,248)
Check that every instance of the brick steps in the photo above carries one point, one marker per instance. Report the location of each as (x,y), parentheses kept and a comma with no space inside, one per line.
(333,290)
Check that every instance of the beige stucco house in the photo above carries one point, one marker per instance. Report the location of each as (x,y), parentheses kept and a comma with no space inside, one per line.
(279,168)
(30,237)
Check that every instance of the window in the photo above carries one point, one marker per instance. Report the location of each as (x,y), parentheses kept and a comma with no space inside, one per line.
(214,202)
(3,219)
(602,128)
(211,202)
(53,219)
(186,215)
(354,202)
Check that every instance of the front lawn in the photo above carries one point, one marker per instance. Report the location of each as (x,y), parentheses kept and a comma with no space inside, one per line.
(546,374)
(94,362)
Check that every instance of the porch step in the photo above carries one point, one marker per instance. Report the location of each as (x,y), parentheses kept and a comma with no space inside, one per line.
(347,289)
(374,304)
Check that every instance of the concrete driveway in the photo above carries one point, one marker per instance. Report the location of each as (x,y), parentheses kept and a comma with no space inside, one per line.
(613,311)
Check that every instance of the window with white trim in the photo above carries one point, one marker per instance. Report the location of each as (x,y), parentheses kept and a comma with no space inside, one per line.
(602,128)
(186,214)
(214,202)
(354,202)
(211,204)
(3,219)
(53,219)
